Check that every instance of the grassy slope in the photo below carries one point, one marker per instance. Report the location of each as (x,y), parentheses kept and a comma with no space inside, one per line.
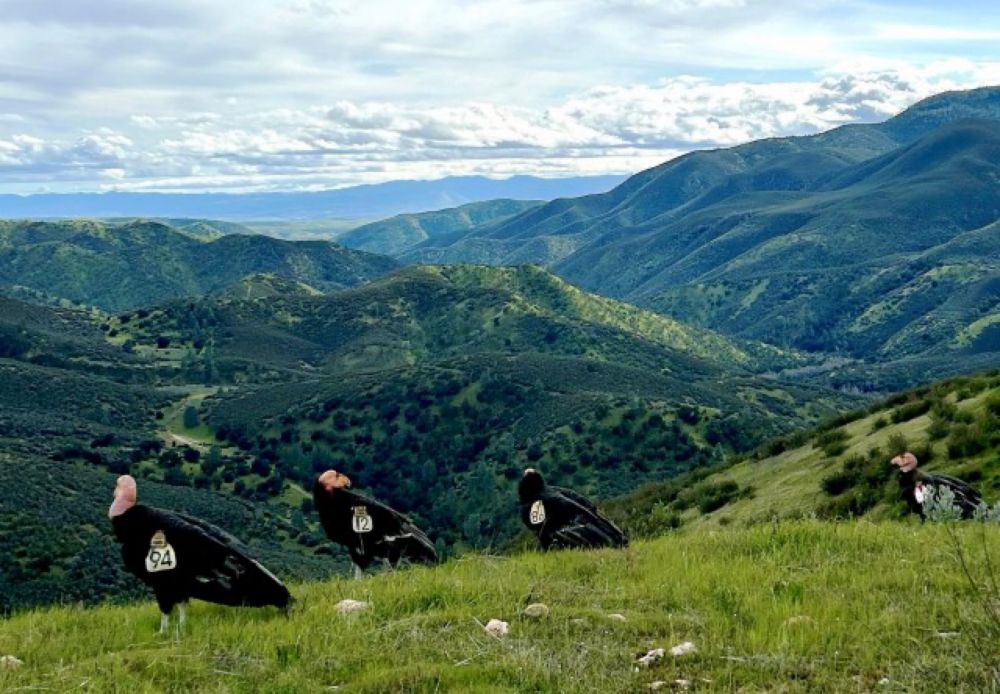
(801,606)
(788,484)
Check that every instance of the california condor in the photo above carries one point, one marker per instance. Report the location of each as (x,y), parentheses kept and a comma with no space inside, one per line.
(368,528)
(918,487)
(181,557)
(561,518)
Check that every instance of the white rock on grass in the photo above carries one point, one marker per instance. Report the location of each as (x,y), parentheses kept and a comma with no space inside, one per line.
(9,662)
(615,617)
(653,656)
(497,628)
(683,649)
(660,684)
(536,610)
(799,620)
(351,606)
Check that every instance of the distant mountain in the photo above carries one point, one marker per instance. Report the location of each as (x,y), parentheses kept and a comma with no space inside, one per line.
(396,235)
(122,266)
(368,201)
(877,241)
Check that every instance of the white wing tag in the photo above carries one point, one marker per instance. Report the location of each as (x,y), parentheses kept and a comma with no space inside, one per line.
(362,522)
(537,514)
(162,556)
(920,493)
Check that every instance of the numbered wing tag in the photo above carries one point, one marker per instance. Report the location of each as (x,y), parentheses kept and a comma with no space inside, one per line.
(362,521)
(920,493)
(161,556)
(537,513)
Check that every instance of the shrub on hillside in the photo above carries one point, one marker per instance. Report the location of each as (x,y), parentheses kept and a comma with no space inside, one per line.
(833,442)
(911,410)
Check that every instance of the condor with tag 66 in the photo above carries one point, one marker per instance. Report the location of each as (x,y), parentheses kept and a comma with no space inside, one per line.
(563,519)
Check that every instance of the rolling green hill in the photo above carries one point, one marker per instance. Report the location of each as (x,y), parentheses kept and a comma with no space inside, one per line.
(75,411)
(434,386)
(871,241)
(121,266)
(842,468)
(398,234)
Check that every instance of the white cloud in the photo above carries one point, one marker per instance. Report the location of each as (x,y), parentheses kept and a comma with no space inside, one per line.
(298,93)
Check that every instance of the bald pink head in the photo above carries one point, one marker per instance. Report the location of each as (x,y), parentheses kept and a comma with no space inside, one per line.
(331,480)
(905,462)
(125,495)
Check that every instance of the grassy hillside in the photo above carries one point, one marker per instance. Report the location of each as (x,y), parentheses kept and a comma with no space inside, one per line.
(75,411)
(435,386)
(432,387)
(841,469)
(120,266)
(799,606)
(399,234)
(871,241)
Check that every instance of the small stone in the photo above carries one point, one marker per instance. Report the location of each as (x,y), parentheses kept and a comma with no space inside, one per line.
(658,684)
(536,610)
(799,619)
(497,628)
(351,606)
(615,617)
(682,683)
(683,649)
(9,662)
(651,657)
(885,682)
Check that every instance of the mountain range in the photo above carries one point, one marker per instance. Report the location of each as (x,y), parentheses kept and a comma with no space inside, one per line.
(875,241)
(371,201)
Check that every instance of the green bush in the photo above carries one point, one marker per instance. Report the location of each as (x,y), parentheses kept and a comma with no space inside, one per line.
(911,410)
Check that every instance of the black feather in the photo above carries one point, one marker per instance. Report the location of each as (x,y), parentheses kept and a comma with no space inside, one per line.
(199,561)
(392,535)
(570,519)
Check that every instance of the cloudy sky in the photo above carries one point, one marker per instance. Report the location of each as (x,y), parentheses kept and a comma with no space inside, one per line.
(305,94)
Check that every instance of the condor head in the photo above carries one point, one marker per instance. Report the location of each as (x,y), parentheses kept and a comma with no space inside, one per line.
(531,486)
(906,462)
(330,481)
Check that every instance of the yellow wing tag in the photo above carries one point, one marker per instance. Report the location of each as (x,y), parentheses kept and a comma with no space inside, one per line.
(161,555)
(537,514)
(362,522)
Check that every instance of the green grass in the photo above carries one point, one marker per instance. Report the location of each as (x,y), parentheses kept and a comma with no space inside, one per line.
(799,606)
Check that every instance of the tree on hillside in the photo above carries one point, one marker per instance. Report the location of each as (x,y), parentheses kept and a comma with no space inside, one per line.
(191,418)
